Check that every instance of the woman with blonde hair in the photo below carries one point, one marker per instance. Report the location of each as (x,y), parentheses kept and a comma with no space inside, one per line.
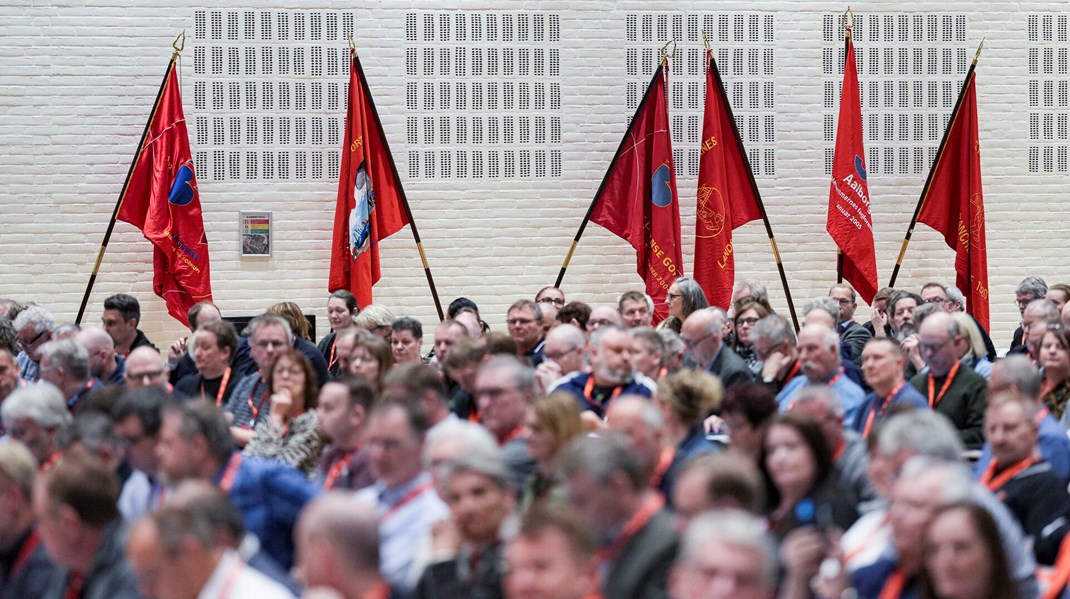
(686,398)
(376,319)
(976,356)
(552,421)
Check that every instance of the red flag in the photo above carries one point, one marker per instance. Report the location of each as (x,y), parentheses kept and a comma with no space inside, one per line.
(161,199)
(849,220)
(637,200)
(371,203)
(953,203)
(726,197)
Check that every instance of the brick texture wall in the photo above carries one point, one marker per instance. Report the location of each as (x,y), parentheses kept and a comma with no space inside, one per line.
(78,82)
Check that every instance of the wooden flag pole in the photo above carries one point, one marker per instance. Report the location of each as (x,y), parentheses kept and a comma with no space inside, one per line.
(401,188)
(178,45)
(846,48)
(932,171)
(758,197)
(605,178)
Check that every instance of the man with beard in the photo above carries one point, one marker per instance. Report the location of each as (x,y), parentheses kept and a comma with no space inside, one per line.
(611,373)
(342,411)
(819,354)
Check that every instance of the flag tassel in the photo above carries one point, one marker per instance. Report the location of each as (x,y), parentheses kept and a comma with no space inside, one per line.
(932,171)
(178,44)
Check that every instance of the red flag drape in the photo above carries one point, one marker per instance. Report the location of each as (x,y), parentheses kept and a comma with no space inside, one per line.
(849,220)
(953,203)
(638,201)
(726,198)
(371,202)
(162,200)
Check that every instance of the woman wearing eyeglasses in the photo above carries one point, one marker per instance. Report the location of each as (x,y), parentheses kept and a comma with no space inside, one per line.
(290,433)
(747,313)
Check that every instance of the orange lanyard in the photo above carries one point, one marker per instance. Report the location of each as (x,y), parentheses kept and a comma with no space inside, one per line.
(222,387)
(664,462)
(379,591)
(1047,388)
(880,409)
(994,482)
(850,555)
(794,370)
(256,409)
(839,451)
(836,377)
(232,577)
(339,466)
(893,587)
(589,388)
(513,434)
(405,500)
(1041,414)
(934,400)
(226,482)
(333,359)
(1061,575)
(639,519)
(49,463)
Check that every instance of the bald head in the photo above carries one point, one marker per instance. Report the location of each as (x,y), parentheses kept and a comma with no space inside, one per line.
(145,368)
(702,333)
(602,315)
(337,541)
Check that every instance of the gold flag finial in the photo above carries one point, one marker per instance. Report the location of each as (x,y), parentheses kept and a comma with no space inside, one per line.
(352,46)
(847,25)
(977,56)
(706,40)
(665,56)
(180,42)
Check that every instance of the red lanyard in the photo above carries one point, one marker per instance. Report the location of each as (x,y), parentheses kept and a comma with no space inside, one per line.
(226,482)
(1041,415)
(513,434)
(872,536)
(24,554)
(232,577)
(589,388)
(639,519)
(839,451)
(406,499)
(664,462)
(994,482)
(379,591)
(336,470)
(222,388)
(333,359)
(256,409)
(1047,388)
(836,377)
(893,587)
(935,400)
(49,463)
(882,408)
(794,370)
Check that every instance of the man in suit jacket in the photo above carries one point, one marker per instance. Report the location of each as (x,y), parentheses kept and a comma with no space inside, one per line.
(607,485)
(703,335)
(852,335)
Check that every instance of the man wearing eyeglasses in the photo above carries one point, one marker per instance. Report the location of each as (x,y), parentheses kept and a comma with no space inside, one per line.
(1031,288)
(957,392)
(33,328)
(1036,317)
(525,327)
(951,299)
(702,336)
(248,403)
(852,334)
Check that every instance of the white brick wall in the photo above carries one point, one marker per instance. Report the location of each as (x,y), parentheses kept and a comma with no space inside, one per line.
(76,83)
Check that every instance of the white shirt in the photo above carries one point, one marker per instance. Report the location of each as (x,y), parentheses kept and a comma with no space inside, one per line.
(234,579)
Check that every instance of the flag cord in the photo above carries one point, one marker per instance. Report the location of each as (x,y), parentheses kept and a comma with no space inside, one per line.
(126,183)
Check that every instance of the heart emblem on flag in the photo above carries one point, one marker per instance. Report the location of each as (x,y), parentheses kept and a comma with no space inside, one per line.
(184,189)
(660,189)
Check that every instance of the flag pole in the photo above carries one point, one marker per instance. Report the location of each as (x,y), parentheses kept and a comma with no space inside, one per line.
(932,171)
(178,45)
(846,48)
(401,188)
(605,179)
(757,196)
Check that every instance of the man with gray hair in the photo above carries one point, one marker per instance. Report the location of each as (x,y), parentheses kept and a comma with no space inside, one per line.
(819,353)
(774,343)
(1030,289)
(504,389)
(750,289)
(606,483)
(950,298)
(104,364)
(930,435)
(1036,317)
(65,364)
(248,405)
(25,566)
(703,336)
(1017,374)
(33,328)
(35,416)
(564,352)
(639,421)
(956,392)
(611,373)
(733,545)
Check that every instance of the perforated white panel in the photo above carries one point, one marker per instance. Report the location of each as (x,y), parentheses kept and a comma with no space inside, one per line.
(910,70)
(268,93)
(483,95)
(743,45)
(1048,101)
